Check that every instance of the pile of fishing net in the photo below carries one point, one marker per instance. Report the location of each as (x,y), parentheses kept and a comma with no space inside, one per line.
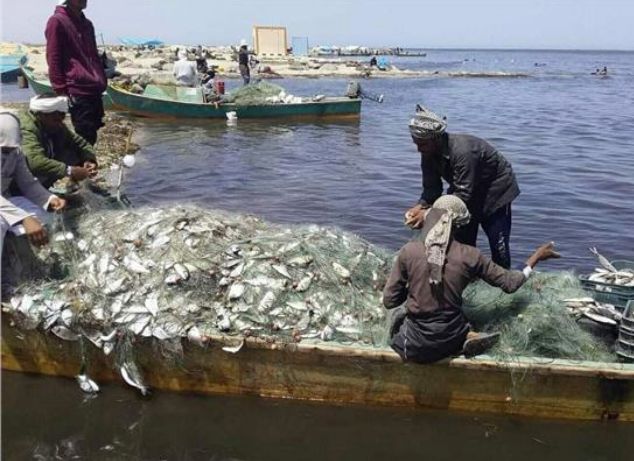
(260,93)
(534,321)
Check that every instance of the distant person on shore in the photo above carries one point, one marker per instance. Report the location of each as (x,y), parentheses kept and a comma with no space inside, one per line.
(476,173)
(604,71)
(201,60)
(75,67)
(51,149)
(184,70)
(373,61)
(23,213)
(243,62)
(430,275)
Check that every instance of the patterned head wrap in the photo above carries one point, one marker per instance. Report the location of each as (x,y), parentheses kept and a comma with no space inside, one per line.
(426,124)
(447,212)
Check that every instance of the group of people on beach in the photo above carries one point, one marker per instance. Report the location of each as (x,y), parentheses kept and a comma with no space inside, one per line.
(430,272)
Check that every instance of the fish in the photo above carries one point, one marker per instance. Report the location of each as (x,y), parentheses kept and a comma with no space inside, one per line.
(115,287)
(297,305)
(236,291)
(131,375)
(301,261)
(182,271)
(160,241)
(304,283)
(280,269)
(341,271)
(86,384)
(151,304)
(82,245)
(266,302)
(134,266)
(600,319)
(224,324)
(64,333)
(602,260)
(172,279)
(233,349)
(195,336)
(237,271)
(327,333)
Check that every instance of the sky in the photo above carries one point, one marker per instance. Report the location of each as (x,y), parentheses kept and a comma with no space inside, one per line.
(537,24)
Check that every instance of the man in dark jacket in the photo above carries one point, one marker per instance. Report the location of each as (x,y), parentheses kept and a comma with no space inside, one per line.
(243,62)
(75,67)
(476,173)
(430,275)
(52,150)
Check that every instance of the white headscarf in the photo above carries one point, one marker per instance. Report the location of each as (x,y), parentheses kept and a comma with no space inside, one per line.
(426,124)
(48,105)
(9,129)
(182,55)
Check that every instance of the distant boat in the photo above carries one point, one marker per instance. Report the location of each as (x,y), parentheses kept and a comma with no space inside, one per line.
(10,67)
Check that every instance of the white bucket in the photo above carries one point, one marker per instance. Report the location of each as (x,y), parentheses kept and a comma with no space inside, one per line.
(233,115)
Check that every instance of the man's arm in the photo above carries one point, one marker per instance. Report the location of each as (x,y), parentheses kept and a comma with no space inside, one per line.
(29,186)
(11,213)
(36,158)
(55,55)
(395,291)
(432,183)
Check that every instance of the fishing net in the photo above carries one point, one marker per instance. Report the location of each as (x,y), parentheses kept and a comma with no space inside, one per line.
(534,321)
(254,94)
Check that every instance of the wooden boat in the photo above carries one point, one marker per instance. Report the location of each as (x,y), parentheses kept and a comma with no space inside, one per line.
(44,86)
(180,102)
(346,375)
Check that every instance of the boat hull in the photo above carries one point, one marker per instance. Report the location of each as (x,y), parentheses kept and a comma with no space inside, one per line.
(165,108)
(346,375)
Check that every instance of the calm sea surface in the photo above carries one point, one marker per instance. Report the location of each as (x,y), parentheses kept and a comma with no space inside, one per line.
(570,138)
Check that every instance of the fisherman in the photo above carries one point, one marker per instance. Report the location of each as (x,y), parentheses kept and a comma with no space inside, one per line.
(476,173)
(22,214)
(243,62)
(184,70)
(51,149)
(75,67)
(430,275)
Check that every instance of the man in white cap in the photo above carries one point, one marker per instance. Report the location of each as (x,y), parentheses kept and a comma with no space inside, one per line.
(75,68)
(185,70)
(476,173)
(430,275)
(21,214)
(51,149)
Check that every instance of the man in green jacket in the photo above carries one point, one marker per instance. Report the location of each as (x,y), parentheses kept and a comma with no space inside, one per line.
(51,149)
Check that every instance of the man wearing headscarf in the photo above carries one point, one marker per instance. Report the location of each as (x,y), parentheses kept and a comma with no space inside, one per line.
(430,275)
(476,173)
(75,68)
(22,214)
(243,62)
(184,70)
(51,149)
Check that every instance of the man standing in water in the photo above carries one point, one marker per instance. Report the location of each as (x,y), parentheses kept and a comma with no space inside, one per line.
(476,173)
(75,67)
(430,275)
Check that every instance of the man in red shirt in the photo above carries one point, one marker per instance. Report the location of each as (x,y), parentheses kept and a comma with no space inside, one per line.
(75,67)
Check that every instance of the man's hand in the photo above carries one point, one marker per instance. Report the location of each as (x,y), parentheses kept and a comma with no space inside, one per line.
(91,167)
(79,173)
(415,216)
(543,253)
(34,231)
(57,204)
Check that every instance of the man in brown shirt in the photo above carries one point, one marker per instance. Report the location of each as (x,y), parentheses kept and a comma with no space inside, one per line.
(434,326)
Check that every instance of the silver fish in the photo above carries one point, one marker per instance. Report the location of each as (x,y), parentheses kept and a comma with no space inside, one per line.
(266,302)
(327,333)
(602,260)
(224,324)
(297,305)
(301,261)
(134,266)
(195,336)
(236,291)
(160,241)
(304,283)
(182,271)
(280,269)
(86,384)
(341,271)
(64,333)
(131,375)
(237,271)
(233,349)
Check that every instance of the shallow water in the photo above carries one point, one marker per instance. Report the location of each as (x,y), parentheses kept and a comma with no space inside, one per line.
(569,137)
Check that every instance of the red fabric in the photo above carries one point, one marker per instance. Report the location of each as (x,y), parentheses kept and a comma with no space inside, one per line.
(74,65)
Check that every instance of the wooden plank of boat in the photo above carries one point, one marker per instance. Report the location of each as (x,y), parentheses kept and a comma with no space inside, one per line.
(44,86)
(154,104)
(347,375)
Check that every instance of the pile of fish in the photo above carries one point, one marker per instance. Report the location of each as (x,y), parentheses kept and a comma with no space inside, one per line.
(190,273)
(605,314)
(609,274)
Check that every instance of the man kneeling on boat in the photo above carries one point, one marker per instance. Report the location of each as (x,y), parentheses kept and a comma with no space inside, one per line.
(23,213)
(52,150)
(430,275)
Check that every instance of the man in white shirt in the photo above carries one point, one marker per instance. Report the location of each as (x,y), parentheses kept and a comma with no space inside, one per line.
(185,70)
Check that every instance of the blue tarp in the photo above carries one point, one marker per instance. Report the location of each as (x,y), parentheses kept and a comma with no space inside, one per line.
(135,41)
